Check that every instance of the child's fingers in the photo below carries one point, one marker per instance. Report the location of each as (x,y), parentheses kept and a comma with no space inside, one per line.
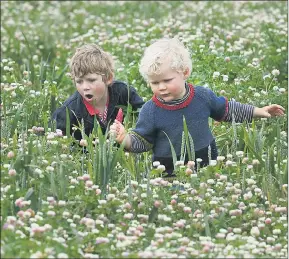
(276,106)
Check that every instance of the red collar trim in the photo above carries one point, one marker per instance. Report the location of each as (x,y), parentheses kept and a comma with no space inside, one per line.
(178,106)
(91,110)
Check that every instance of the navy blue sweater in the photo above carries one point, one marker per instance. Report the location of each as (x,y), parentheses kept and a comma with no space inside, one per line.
(156,117)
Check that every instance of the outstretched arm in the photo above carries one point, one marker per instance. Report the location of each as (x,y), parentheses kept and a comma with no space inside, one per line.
(269,111)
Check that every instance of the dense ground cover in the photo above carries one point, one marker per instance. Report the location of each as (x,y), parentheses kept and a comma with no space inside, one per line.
(58,203)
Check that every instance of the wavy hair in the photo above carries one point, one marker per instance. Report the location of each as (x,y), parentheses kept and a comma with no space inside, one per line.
(164,50)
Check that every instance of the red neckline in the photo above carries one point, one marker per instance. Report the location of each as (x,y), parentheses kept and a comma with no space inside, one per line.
(91,110)
(178,106)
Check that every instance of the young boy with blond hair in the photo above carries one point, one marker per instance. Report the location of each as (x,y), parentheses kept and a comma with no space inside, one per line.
(98,94)
(166,65)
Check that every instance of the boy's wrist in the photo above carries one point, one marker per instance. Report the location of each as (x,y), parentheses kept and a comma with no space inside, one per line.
(256,112)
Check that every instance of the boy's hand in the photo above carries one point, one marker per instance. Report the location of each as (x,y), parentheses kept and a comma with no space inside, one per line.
(269,111)
(118,130)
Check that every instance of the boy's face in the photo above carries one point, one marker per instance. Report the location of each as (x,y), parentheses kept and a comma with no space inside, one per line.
(92,88)
(169,85)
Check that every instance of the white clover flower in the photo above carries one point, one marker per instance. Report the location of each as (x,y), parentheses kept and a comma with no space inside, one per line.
(276,231)
(216,74)
(275,72)
(255,231)
(210,181)
(225,78)
(156,163)
(49,168)
(62,255)
(51,213)
(213,162)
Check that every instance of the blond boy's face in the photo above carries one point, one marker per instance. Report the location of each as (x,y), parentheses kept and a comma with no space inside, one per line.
(92,88)
(169,85)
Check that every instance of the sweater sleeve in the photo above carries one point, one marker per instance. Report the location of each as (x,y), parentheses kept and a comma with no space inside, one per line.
(240,112)
(218,106)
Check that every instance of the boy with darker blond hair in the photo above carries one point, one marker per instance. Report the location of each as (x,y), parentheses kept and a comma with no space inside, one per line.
(97,95)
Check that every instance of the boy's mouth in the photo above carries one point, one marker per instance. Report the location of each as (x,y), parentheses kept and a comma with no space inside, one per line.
(88,96)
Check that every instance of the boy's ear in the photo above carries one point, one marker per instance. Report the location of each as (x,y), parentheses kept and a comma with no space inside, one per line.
(109,81)
(186,73)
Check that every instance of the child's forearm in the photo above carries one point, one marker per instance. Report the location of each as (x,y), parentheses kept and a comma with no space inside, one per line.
(124,139)
(257,112)
(127,142)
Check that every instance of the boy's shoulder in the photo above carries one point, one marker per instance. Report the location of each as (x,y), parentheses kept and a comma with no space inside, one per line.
(72,99)
(202,91)
(119,84)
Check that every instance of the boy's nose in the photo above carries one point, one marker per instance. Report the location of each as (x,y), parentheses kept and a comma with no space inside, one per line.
(86,86)
(162,86)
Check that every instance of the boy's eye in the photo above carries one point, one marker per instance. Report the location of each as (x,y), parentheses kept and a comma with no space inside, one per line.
(91,80)
(78,81)
(167,80)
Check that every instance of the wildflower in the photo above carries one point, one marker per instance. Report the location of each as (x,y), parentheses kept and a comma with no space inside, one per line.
(220,158)
(227,59)
(216,74)
(225,78)
(88,183)
(173,202)
(276,231)
(128,216)
(156,163)
(49,169)
(213,162)
(255,162)
(239,154)
(101,240)
(191,164)
(281,209)
(61,203)
(83,143)
(210,181)
(51,213)
(10,154)
(187,209)
(223,178)
(161,168)
(189,171)
(268,221)
(255,231)
(62,255)
(157,204)
(275,72)
(229,163)
(12,172)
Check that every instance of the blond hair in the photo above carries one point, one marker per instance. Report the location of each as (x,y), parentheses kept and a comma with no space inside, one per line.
(164,50)
(90,59)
